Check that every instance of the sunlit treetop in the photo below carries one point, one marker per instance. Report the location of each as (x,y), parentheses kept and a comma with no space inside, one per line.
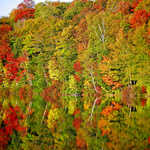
(24,10)
(26,4)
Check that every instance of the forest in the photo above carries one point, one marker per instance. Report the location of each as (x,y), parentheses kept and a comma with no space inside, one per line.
(75,76)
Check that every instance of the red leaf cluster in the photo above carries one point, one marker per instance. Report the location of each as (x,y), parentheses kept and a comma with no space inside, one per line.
(4,49)
(96,6)
(143,102)
(11,64)
(12,120)
(106,111)
(11,123)
(12,70)
(135,4)
(5,28)
(148,140)
(3,139)
(77,78)
(25,13)
(77,122)
(139,18)
(143,89)
(77,66)
(80,142)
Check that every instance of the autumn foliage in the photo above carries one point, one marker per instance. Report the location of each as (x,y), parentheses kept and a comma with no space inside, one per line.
(25,13)
(135,3)
(5,28)
(75,76)
(77,66)
(139,18)
(11,123)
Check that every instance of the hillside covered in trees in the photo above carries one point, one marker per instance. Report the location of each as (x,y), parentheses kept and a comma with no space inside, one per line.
(75,76)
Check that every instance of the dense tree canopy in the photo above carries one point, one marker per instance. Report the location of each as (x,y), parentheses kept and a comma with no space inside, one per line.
(75,76)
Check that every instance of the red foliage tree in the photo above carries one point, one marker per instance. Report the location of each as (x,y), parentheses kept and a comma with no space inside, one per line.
(11,64)
(4,138)
(77,123)
(143,102)
(25,13)
(77,66)
(139,17)
(143,89)
(4,50)
(5,28)
(135,3)
(13,115)
(11,123)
